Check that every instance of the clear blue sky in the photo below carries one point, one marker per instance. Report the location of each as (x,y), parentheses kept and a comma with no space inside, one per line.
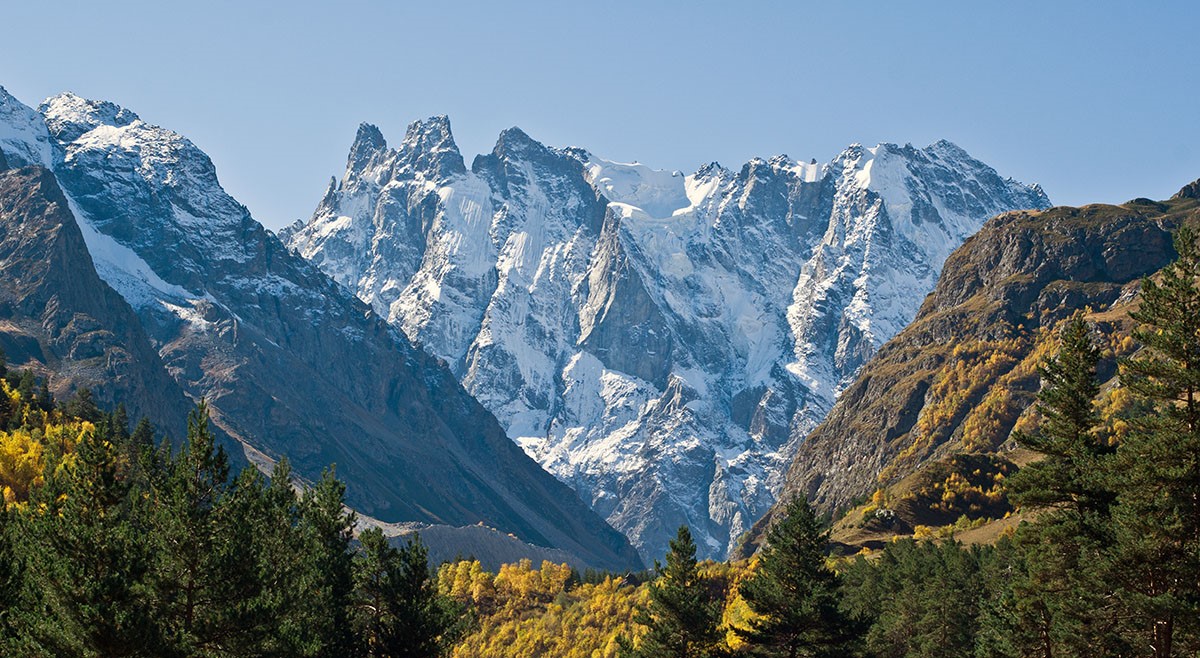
(1096,101)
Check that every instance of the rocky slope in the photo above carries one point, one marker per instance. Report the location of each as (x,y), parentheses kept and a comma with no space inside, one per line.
(59,318)
(659,341)
(963,374)
(291,363)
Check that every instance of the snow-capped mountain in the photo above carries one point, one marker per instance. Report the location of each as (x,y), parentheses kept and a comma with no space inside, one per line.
(659,341)
(291,363)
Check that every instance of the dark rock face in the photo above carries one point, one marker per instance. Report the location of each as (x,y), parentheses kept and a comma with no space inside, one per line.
(622,314)
(291,363)
(58,316)
(1022,272)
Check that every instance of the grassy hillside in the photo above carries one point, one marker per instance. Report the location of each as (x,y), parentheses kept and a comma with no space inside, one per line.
(941,400)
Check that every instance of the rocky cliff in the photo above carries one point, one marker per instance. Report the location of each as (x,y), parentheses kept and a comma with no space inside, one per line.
(58,317)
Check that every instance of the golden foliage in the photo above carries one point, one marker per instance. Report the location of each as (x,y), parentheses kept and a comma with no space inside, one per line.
(41,440)
(526,612)
(958,398)
(21,465)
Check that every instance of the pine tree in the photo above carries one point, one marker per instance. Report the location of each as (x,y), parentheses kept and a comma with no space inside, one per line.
(1047,596)
(1070,476)
(45,399)
(119,422)
(205,577)
(683,614)
(143,434)
(326,530)
(282,557)
(376,573)
(88,559)
(795,596)
(919,599)
(398,612)
(6,409)
(25,384)
(1058,599)
(1158,513)
(83,406)
(12,579)
(427,620)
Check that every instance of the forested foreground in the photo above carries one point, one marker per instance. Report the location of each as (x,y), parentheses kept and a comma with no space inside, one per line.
(116,543)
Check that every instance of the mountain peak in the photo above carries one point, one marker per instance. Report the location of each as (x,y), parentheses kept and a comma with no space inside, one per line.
(947,148)
(367,142)
(713,168)
(429,145)
(1189,191)
(435,131)
(515,140)
(23,135)
(68,115)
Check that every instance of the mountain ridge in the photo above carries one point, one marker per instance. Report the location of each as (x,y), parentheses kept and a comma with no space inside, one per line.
(290,363)
(659,341)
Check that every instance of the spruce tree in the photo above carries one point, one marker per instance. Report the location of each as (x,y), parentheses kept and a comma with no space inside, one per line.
(795,596)
(205,578)
(88,559)
(1158,473)
(1070,475)
(683,614)
(398,612)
